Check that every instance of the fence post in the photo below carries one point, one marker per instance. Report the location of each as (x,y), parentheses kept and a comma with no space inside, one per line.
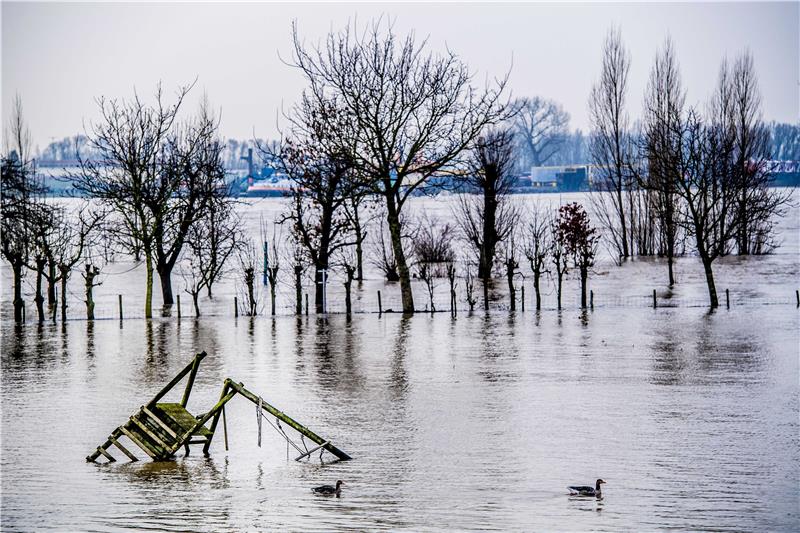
(380,305)
(654,299)
(797,294)
(727,299)
(119,296)
(306,304)
(591,300)
(522,294)
(178,302)
(236,306)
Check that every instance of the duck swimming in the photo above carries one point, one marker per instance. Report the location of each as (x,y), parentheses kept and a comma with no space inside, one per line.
(329,490)
(586,490)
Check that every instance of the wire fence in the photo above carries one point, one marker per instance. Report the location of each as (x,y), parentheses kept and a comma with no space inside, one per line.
(388,300)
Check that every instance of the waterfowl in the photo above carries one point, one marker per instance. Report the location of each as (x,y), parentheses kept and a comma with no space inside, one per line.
(329,490)
(586,490)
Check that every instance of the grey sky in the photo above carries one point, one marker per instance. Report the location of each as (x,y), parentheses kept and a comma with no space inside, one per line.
(58,57)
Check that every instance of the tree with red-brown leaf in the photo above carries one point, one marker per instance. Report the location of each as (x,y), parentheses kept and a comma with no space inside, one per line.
(579,239)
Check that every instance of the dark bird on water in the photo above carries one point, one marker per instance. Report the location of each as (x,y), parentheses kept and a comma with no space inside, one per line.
(586,490)
(329,490)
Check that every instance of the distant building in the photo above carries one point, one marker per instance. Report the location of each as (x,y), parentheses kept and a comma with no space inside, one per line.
(568,178)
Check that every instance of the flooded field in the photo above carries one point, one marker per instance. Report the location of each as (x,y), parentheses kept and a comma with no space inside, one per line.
(477,422)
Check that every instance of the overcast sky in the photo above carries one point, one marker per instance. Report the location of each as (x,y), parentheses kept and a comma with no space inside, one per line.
(59,57)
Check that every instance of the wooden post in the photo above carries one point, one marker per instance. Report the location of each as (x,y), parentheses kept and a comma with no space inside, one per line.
(797,294)
(380,305)
(727,299)
(235,306)
(523,297)
(306,304)
(654,299)
(178,303)
(225,428)
(591,300)
(119,296)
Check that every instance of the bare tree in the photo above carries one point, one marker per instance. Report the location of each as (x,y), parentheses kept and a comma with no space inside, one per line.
(469,286)
(25,214)
(737,106)
(90,273)
(414,113)
(383,258)
(487,217)
(540,130)
(325,183)
(511,264)
(433,253)
(157,175)
(559,257)
(537,248)
(248,263)
(664,106)
(611,145)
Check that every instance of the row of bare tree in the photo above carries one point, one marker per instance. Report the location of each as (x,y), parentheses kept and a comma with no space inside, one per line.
(682,172)
(383,119)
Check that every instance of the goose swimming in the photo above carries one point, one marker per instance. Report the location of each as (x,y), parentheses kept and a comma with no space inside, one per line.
(586,490)
(329,490)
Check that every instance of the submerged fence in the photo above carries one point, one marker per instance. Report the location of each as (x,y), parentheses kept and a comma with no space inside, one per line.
(387,299)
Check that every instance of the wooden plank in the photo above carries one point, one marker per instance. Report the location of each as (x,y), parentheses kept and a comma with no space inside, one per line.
(123,449)
(176,379)
(106,455)
(312,450)
(160,422)
(182,418)
(238,387)
(190,381)
(138,442)
(146,430)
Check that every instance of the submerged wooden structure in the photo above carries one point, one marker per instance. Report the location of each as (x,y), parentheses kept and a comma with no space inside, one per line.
(160,429)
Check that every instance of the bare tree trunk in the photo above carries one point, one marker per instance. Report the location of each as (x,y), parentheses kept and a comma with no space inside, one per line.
(51,283)
(89,284)
(195,296)
(584,276)
(395,231)
(536,276)
(148,296)
(298,290)
(39,298)
(64,271)
(16,266)
(485,293)
(712,289)
(559,280)
(165,277)
(512,292)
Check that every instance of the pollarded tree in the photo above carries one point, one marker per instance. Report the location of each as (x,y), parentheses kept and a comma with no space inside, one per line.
(414,112)
(487,217)
(578,239)
(537,248)
(25,214)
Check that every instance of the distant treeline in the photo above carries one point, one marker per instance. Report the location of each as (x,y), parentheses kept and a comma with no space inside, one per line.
(569,148)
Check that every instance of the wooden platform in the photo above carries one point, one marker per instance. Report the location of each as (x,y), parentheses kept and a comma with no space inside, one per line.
(160,429)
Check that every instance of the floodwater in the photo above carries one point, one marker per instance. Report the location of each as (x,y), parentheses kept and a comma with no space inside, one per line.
(477,422)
